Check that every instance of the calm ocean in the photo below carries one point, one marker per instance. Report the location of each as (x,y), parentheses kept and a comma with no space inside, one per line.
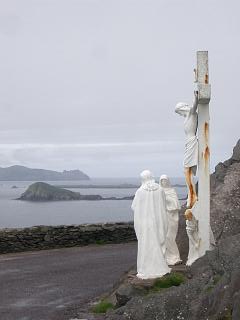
(15,213)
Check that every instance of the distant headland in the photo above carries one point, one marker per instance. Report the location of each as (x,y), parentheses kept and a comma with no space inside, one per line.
(21,173)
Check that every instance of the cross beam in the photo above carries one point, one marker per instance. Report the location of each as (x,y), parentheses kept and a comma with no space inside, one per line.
(204,94)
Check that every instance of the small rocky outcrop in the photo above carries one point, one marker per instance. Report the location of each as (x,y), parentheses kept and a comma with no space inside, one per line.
(41,191)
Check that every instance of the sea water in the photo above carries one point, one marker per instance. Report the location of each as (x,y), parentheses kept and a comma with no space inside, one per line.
(18,214)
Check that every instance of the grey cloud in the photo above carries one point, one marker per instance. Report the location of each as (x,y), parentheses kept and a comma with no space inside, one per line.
(95,72)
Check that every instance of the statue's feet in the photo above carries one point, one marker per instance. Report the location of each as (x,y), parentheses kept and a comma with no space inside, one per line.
(198,244)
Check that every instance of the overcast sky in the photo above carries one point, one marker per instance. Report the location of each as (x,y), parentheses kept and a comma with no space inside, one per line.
(92,84)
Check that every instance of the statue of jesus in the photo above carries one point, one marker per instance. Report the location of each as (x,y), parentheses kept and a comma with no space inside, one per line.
(191,147)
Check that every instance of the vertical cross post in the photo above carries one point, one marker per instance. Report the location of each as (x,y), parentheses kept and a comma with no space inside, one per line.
(204,94)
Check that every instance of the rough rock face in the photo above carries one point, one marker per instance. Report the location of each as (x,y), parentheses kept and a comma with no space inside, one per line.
(225,200)
(213,290)
(212,293)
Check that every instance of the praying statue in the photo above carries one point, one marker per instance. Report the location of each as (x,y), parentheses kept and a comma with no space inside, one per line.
(191,147)
(173,207)
(150,223)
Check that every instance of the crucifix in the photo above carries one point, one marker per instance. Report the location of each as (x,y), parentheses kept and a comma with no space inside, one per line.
(196,161)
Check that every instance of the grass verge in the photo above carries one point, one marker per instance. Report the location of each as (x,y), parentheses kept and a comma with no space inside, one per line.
(102,307)
(171,280)
(100,242)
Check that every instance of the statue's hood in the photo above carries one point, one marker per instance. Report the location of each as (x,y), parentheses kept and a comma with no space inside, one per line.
(150,185)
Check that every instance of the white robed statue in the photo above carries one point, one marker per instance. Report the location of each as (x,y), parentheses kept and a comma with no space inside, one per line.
(173,207)
(150,223)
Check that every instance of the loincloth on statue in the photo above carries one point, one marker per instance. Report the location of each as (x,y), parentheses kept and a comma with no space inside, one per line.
(191,152)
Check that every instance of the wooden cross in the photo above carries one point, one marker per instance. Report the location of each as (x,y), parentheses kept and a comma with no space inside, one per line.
(204,94)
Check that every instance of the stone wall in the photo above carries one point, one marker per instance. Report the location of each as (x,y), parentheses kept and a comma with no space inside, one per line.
(48,237)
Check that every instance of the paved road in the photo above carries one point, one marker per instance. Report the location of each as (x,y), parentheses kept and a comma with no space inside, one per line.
(45,285)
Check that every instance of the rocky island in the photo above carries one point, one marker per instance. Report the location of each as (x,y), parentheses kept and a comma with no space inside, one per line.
(41,191)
